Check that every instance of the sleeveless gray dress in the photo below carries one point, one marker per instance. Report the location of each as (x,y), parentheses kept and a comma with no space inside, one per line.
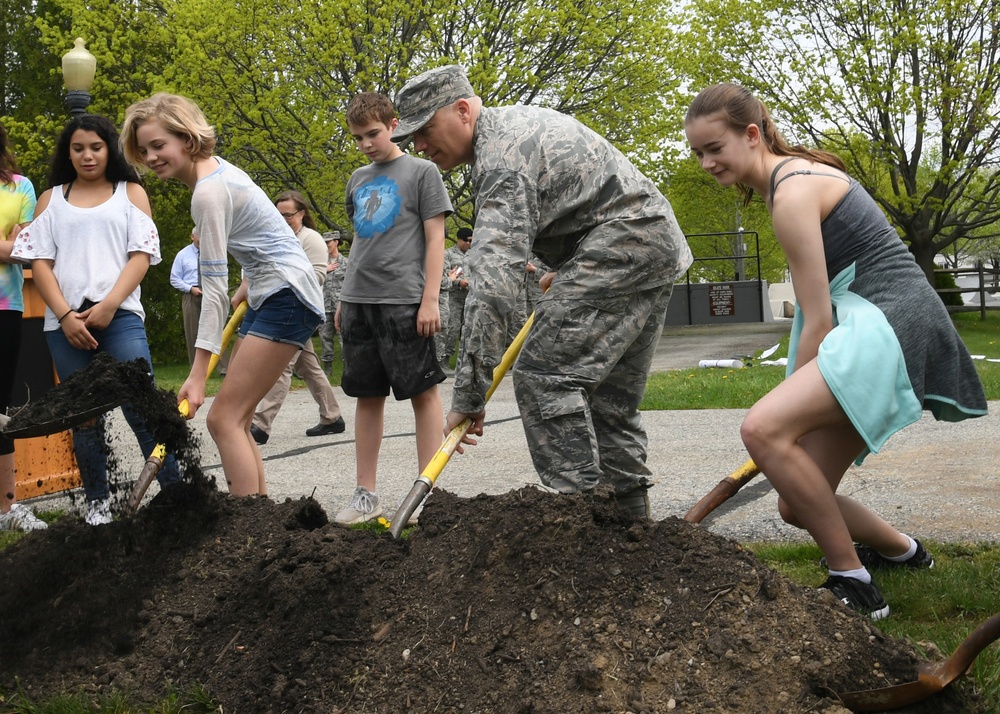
(894,350)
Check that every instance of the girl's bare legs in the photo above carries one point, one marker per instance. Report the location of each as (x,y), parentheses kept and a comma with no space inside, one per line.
(834,450)
(369,424)
(803,441)
(429,420)
(254,367)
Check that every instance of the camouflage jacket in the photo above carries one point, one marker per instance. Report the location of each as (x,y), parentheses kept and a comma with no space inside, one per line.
(545,183)
(334,281)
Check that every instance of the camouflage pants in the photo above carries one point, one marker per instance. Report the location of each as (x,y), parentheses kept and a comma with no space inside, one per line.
(440,339)
(449,335)
(579,380)
(327,334)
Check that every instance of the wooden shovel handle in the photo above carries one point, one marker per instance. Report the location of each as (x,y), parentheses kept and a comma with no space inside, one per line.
(725,490)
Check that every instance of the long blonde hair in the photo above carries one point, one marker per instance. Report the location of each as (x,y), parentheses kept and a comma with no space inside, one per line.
(178,115)
(740,108)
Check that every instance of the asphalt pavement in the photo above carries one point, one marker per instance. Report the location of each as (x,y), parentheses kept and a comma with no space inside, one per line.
(933,480)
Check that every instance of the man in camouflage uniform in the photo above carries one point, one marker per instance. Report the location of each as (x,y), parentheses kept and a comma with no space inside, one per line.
(336,269)
(545,183)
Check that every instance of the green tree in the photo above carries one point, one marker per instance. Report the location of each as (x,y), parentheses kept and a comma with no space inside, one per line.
(704,208)
(275,79)
(30,85)
(278,88)
(917,79)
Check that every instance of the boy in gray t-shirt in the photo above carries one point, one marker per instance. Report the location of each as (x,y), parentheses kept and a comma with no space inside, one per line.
(388,311)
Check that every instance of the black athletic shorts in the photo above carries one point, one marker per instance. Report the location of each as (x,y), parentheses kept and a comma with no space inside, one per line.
(382,350)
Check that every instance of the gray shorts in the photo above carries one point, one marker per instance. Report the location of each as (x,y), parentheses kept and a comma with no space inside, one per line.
(382,350)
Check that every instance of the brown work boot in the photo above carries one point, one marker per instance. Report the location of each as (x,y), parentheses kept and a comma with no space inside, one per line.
(635,502)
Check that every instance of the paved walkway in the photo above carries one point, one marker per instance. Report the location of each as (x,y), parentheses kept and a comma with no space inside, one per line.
(935,480)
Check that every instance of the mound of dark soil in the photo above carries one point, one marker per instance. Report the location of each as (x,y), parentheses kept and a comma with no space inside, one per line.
(525,602)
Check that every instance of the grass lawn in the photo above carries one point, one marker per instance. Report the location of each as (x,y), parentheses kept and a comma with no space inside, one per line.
(940,606)
(741,388)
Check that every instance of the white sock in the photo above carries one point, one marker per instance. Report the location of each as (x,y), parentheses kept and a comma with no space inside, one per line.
(859,574)
(905,556)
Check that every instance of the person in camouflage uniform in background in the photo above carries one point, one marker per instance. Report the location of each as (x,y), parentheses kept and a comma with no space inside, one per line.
(458,289)
(444,307)
(336,269)
(545,183)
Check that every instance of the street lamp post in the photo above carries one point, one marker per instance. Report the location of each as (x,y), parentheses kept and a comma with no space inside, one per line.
(79,67)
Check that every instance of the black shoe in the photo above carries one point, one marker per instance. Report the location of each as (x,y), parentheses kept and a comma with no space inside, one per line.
(872,559)
(859,596)
(258,434)
(334,427)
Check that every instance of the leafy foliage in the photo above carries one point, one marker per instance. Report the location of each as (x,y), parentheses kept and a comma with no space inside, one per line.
(275,78)
(907,93)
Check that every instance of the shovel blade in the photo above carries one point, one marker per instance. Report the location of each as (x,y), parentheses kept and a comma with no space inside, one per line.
(61,423)
(932,677)
(894,697)
(413,499)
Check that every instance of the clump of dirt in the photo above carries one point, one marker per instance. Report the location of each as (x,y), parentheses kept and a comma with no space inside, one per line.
(524,602)
(86,396)
(104,383)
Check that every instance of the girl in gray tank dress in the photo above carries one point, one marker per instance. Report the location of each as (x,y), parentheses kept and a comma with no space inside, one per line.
(872,344)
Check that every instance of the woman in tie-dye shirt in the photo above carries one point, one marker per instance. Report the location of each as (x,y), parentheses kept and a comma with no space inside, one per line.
(17,206)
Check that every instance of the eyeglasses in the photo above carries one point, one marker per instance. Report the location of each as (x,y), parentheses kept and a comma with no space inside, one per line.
(295,213)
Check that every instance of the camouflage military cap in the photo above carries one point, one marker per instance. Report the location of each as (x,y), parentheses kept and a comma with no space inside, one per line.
(331,235)
(425,94)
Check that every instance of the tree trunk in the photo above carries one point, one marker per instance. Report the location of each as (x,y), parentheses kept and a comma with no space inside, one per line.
(923,252)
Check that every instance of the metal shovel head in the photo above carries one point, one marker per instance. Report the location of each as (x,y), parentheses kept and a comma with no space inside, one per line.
(60,423)
(932,677)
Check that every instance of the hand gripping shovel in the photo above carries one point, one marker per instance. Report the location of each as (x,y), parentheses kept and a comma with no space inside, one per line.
(155,460)
(932,677)
(425,482)
(723,491)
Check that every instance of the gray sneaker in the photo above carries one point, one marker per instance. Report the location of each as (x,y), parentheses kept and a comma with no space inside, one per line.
(19,518)
(364,507)
(98,513)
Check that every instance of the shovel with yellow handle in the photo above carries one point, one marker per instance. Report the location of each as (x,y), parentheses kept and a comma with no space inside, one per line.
(425,482)
(155,460)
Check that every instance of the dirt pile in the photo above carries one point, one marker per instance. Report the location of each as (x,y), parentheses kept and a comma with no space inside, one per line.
(525,602)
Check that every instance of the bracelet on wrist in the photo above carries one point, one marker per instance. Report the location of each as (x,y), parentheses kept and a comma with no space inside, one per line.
(64,315)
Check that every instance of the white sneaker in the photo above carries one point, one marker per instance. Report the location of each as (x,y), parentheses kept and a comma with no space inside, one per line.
(19,518)
(98,513)
(364,506)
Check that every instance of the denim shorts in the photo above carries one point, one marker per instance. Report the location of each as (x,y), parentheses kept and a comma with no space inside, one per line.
(382,349)
(281,318)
